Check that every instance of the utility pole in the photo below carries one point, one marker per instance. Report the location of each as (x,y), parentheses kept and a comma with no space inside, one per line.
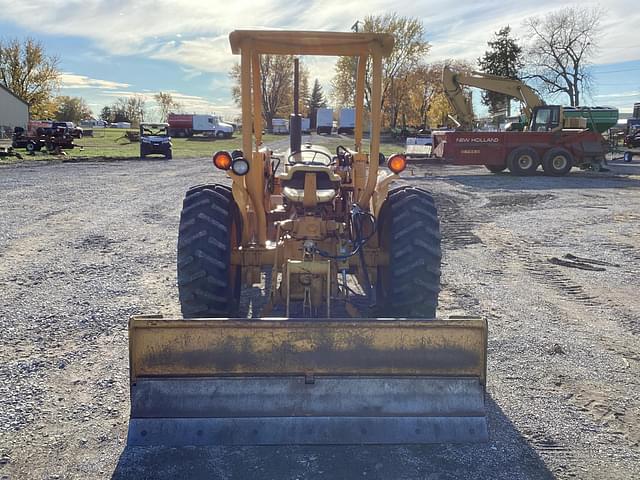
(355,26)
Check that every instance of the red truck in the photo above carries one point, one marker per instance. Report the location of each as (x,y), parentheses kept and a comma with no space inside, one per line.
(187,125)
(546,144)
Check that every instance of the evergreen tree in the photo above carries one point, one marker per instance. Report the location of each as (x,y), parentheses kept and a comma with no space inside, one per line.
(504,58)
(107,114)
(316,101)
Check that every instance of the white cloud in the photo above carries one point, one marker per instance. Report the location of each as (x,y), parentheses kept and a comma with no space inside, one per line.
(194,33)
(204,54)
(188,103)
(619,95)
(71,80)
(190,73)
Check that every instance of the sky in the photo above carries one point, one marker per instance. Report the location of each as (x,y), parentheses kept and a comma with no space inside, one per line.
(116,48)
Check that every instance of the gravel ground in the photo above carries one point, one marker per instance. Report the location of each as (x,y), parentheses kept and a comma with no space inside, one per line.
(84,246)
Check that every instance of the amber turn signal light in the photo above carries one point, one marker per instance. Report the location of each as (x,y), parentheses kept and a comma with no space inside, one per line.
(222,160)
(397,163)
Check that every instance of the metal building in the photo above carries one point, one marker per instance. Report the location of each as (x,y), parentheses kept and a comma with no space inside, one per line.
(14,112)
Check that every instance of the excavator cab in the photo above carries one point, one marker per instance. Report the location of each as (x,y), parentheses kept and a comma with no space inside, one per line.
(546,118)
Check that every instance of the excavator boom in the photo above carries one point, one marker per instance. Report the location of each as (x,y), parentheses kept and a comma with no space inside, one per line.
(453,82)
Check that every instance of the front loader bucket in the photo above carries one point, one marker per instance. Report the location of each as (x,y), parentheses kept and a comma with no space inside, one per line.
(315,381)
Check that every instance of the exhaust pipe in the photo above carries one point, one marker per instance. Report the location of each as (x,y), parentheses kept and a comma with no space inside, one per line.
(295,122)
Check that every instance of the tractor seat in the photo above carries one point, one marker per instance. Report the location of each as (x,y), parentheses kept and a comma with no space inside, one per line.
(320,179)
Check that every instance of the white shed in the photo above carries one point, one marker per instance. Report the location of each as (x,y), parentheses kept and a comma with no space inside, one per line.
(14,112)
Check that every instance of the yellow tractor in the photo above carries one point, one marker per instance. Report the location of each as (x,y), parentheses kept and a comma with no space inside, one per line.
(315,226)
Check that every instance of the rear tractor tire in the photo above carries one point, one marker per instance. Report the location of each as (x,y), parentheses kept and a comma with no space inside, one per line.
(557,162)
(210,227)
(523,161)
(409,233)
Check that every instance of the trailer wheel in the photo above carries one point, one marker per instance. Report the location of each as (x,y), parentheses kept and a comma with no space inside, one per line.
(496,168)
(409,233)
(210,227)
(31,147)
(557,162)
(523,161)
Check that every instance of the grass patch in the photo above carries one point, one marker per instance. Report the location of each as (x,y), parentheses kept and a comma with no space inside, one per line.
(109,144)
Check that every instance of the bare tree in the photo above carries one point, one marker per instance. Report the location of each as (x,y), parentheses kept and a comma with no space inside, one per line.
(130,109)
(166,104)
(30,73)
(563,44)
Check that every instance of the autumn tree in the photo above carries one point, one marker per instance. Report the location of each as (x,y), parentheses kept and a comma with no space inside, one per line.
(563,44)
(343,84)
(408,50)
(71,109)
(503,58)
(276,81)
(166,104)
(316,101)
(27,70)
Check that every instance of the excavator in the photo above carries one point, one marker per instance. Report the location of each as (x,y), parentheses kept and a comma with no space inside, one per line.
(598,119)
(556,138)
(311,229)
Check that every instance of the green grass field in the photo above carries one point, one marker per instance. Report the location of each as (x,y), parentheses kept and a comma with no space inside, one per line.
(109,144)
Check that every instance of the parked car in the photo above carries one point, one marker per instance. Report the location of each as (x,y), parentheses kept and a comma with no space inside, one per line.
(74,130)
(155,139)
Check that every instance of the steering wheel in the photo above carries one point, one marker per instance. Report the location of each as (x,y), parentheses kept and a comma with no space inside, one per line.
(341,151)
(313,159)
(343,155)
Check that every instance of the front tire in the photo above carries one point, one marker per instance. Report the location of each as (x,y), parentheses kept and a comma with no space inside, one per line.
(210,227)
(409,233)
(523,161)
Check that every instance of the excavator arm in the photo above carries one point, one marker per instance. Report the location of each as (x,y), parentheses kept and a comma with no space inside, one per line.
(453,81)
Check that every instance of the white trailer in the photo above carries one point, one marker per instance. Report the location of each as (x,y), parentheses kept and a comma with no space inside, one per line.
(419,147)
(324,120)
(306,125)
(347,121)
(280,126)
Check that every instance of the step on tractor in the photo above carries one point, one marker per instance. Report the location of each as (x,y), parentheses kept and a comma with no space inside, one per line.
(317,231)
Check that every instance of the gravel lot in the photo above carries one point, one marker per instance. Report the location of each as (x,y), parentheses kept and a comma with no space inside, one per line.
(85,245)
